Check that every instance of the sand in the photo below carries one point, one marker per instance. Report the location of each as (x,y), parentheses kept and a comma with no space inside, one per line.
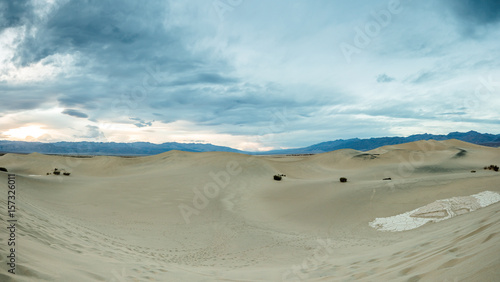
(182,216)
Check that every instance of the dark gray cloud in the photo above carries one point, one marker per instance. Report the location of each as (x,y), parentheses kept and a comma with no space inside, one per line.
(206,78)
(141,123)
(75,113)
(474,16)
(476,11)
(133,47)
(14,13)
(381,78)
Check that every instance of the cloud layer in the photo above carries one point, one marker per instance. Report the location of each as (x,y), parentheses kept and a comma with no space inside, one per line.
(236,75)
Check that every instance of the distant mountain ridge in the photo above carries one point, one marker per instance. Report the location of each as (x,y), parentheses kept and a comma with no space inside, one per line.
(105,148)
(474,137)
(146,148)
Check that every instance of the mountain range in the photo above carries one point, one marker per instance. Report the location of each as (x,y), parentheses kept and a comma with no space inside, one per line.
(146,148)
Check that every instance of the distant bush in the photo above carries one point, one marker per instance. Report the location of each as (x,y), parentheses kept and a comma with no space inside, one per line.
(3,169)
(387,178)
(67,173)
(492,167)
(277,177)
(343,179)
(473,171)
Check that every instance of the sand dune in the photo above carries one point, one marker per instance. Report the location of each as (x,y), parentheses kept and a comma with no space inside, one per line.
(182,216)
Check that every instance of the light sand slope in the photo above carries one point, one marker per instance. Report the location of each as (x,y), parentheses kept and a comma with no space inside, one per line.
(183,216)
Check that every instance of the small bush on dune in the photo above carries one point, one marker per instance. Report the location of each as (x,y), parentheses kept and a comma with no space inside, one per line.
(277,177)
(492,167)
(3,169)
(343,179)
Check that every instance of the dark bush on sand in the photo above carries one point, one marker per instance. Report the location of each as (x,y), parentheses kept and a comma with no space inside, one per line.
(492,167)
(343,179)
(277,177)
(67,173)
(3,169)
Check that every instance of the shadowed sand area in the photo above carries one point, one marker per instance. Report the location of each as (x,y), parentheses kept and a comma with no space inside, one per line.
(182,216)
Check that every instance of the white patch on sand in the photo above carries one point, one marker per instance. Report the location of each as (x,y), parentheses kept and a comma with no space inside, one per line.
(435,212)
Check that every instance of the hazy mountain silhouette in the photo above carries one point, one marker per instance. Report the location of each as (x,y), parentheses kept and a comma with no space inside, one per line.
(372,143)
(146,148)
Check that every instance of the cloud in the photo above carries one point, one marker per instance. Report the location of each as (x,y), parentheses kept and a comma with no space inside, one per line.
(424,77)
(381,78)
(475,16)
(14,13)
(205,78)
(75,113)
(126,64)
(92,132)
(476,11)
(141,123)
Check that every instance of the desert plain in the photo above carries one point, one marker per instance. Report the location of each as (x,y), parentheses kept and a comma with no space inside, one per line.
(217,216)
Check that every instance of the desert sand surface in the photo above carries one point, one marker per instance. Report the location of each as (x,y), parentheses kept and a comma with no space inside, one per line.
(182,216)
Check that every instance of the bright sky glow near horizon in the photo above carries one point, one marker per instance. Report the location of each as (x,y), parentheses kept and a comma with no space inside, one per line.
(252,75)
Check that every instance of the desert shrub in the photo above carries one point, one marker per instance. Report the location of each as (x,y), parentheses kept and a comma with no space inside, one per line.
(473,171)
(492,167)
(277,177)
(3,169)
(56,172)
(387,178)
(343,179)
(67,173)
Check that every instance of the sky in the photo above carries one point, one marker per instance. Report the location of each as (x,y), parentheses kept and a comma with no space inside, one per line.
(252,75)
